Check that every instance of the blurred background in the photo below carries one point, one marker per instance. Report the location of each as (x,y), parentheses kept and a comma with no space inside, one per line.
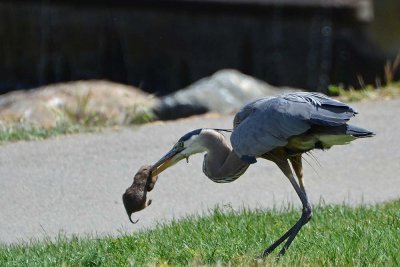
(163,46)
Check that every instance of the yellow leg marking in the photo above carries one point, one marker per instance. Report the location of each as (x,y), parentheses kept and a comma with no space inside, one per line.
(298,169)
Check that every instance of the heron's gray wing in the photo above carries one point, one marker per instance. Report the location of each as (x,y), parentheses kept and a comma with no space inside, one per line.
(323,110)
(268,123)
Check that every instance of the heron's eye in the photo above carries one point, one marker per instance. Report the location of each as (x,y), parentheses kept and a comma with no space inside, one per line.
(179,145)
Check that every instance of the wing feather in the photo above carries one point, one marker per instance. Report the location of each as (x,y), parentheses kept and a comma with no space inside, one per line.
(269,122)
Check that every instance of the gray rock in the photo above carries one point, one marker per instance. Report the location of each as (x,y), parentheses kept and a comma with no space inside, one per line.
(223,92)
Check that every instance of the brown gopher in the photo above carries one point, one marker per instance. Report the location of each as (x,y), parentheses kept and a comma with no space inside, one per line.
(134,197)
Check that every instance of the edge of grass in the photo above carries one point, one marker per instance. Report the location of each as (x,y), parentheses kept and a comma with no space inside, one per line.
(368,92)
(12,133)
(338,235)
(18,131)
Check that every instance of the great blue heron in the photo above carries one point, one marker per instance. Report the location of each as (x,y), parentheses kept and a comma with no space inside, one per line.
(279,129)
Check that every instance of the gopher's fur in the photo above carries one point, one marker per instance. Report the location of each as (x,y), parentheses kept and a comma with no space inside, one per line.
(134,198)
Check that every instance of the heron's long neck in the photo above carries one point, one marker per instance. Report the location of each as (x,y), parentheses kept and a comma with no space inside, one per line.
(221,163)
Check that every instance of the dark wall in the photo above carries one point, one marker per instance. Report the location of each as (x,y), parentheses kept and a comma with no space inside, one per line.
(162,48)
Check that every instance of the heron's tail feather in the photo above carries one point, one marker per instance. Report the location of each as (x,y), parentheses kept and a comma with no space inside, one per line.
(339,135)
(358,131)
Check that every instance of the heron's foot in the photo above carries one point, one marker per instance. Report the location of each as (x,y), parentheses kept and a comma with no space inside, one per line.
(274,245)
(289,235)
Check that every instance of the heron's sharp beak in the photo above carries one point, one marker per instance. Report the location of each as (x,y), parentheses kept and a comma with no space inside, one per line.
(172,157)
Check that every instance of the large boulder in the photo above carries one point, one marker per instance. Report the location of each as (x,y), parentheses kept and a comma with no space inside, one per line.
(224,92)
(85,102)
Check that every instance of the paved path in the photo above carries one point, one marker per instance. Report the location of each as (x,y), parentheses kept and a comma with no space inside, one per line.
(73,184)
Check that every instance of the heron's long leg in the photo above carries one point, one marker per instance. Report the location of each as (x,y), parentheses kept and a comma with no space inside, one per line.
(305,216)
(297,166)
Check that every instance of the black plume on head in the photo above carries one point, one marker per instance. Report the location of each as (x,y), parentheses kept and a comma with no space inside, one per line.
(197,132)
(223,130)
(190,134)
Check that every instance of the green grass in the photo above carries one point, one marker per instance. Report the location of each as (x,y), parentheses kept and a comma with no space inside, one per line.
(368,92)
(88,123)
(390,89)
(19,132)
(336,236)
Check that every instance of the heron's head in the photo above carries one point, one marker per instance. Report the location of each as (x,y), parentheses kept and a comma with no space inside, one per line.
(189,144)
